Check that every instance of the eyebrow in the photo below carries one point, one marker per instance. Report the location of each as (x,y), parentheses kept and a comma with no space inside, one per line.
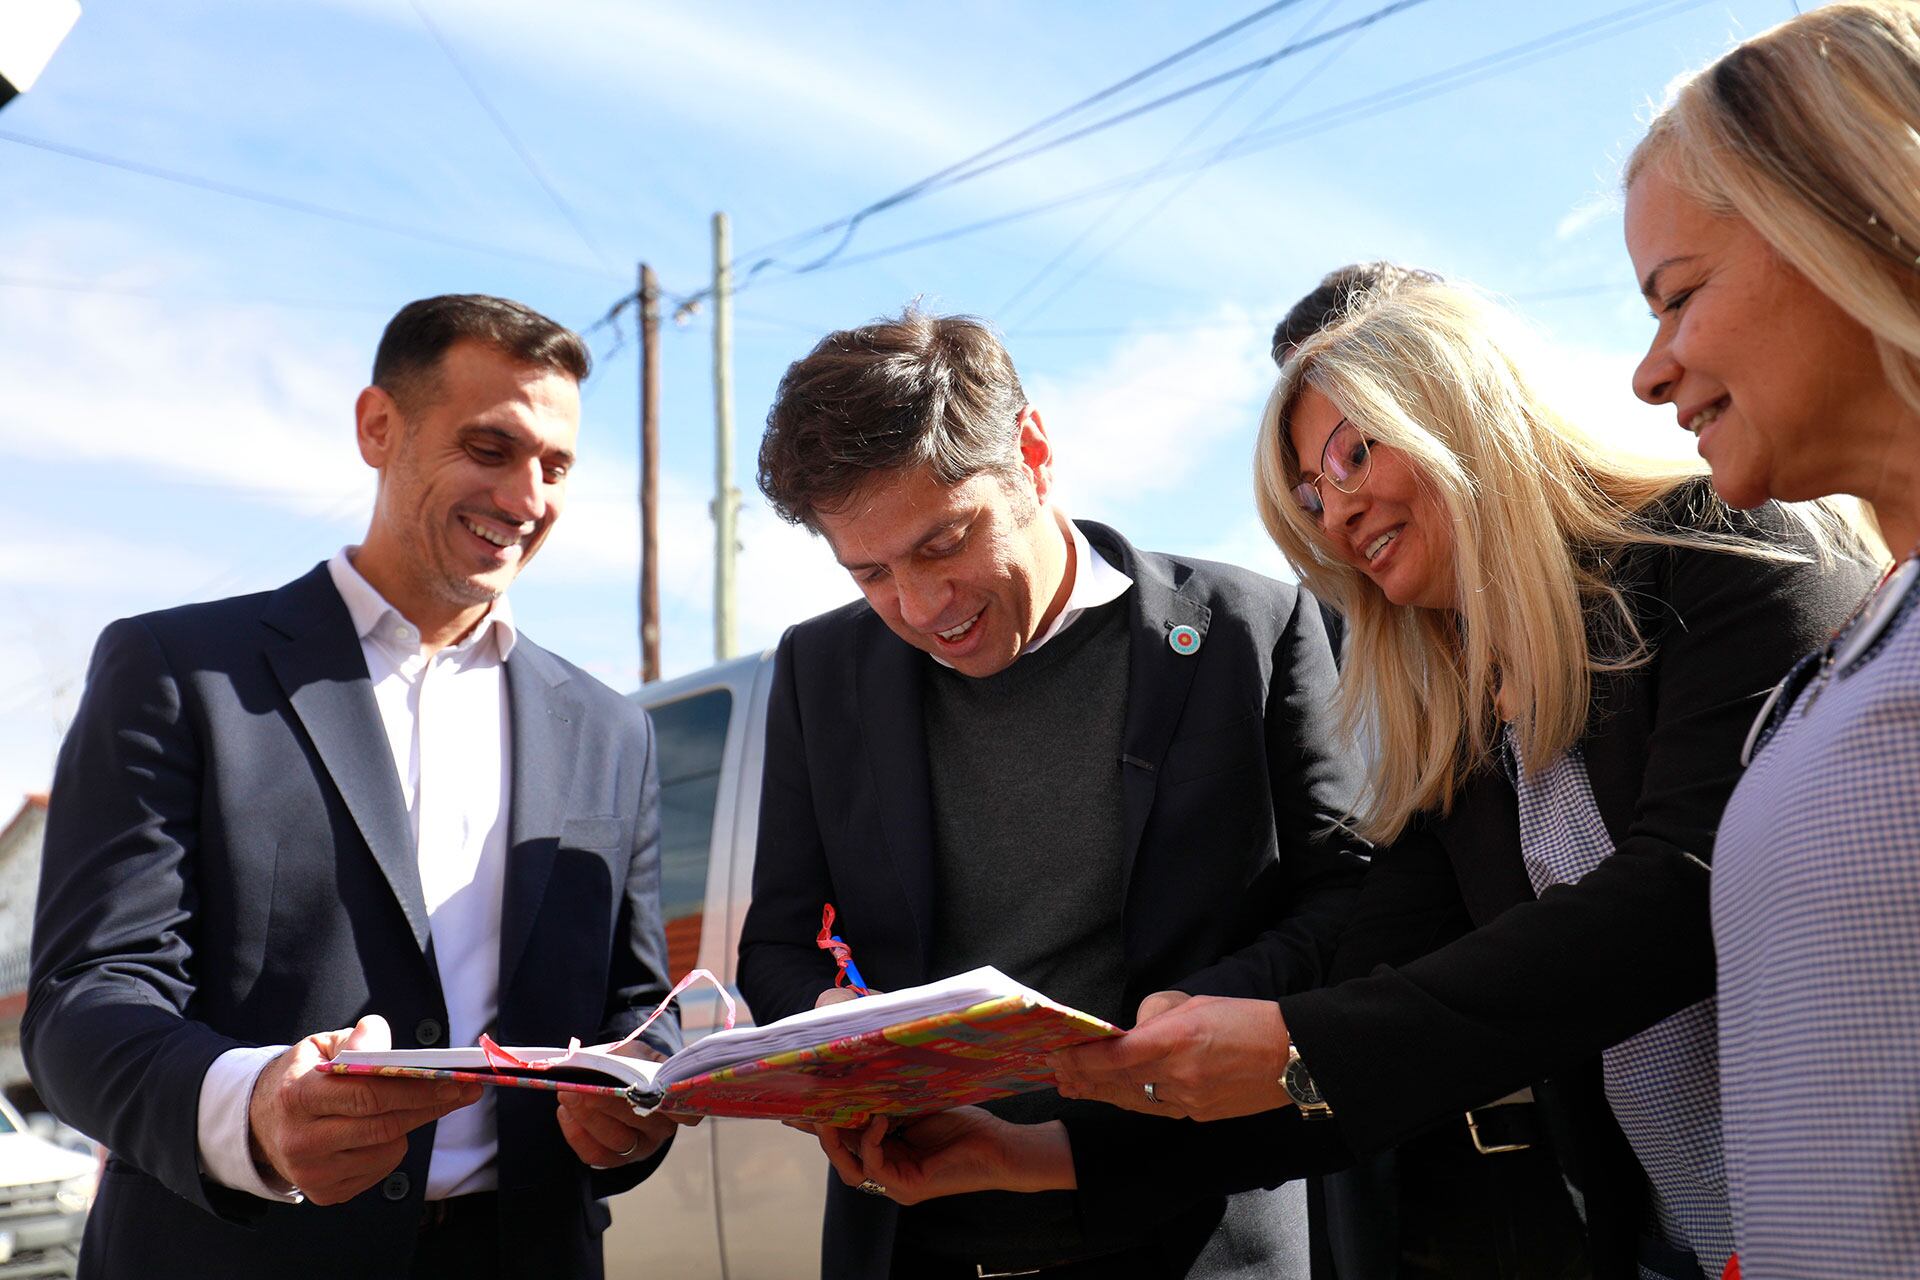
(515,439)
(1648,285)
(931,535)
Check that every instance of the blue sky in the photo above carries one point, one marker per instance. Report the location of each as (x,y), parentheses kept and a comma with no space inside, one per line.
(178,365)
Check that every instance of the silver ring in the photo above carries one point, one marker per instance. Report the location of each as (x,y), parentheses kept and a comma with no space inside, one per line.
(1152,1097)
(872,1188)
(631,1148)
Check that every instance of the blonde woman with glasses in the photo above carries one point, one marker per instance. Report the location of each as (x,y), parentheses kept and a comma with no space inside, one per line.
(1554,652)
(1773,217)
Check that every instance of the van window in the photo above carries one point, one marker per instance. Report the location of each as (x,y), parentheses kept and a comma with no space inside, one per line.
(692,737)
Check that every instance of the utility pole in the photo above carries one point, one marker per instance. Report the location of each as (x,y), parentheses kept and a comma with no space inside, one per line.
(726,498)
(649,475)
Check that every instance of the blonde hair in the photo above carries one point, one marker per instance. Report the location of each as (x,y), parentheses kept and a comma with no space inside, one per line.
(1536,508)
(1810,132)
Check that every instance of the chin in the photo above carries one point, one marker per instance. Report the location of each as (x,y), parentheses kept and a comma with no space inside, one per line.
(1739,490)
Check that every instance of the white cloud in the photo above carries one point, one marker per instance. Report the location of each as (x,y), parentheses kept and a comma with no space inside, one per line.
(1591,209)
(1151,415)
(221,395)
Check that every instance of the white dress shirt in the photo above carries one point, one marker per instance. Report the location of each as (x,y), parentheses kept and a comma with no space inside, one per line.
(447,723)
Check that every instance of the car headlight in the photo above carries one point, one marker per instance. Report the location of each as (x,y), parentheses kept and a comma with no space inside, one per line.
(76,1194)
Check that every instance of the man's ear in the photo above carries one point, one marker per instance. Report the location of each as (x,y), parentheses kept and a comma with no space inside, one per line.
(378,425)
(1036,452)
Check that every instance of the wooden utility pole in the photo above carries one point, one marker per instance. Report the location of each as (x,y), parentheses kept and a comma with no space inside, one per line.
(726,498)
(649,475)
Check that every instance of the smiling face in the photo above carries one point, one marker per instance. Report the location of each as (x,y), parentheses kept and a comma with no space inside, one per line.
(970,573)
(1761,366)
(1392,529)
(471,481)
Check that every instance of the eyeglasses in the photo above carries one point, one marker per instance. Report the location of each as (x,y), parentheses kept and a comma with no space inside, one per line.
(1345,459)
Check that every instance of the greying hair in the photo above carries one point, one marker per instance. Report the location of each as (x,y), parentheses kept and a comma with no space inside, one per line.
(902,393)
(1810,132)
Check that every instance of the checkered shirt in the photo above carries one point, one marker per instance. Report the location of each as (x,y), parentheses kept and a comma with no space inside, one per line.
(1816,916)
(1661,1083)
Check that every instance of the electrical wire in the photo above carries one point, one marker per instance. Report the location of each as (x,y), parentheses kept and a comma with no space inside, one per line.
(519,149)
(268,198)
(1459,76)
(915,188)
(1174,153)
(954,179)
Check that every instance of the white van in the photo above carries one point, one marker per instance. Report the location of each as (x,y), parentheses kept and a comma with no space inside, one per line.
(736,1199)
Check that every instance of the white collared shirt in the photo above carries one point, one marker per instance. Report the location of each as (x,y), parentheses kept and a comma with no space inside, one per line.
(1096,581)
(447,723)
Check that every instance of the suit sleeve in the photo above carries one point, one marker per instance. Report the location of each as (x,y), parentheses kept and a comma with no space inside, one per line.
(638,980)
(781,971)
(1311,786)
(1553,981)
(106,1031)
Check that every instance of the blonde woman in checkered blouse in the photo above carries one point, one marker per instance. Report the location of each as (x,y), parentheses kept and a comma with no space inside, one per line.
(1773,216)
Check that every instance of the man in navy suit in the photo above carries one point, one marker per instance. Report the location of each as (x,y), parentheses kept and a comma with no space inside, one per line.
(362,810)
(1036,746)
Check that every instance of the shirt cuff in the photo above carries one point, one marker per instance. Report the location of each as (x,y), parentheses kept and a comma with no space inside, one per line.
(226,1155)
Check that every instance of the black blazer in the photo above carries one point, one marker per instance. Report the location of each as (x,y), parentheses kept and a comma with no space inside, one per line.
(229,862)
(1456,986)
(1230,780)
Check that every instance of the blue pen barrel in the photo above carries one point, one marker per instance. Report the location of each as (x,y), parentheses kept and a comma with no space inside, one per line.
(853,970)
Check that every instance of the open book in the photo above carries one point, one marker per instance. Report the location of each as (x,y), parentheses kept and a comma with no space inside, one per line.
(964,1039)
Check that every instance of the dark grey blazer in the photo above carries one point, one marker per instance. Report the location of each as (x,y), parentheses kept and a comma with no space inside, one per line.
(1230,778)
(229,861)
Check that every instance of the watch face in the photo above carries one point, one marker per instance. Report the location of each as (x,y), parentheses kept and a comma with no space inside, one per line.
(1299,1085)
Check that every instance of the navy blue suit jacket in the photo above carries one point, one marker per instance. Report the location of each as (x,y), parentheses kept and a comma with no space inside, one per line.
(229,861)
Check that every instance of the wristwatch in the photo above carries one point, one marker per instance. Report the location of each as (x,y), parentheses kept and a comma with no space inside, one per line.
(1300,1087)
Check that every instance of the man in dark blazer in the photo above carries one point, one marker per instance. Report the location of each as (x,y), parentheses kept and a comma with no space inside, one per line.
(1035,746)
(358,810)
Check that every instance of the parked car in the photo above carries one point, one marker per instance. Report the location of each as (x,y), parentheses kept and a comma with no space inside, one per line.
(45,1192)
(736,1199)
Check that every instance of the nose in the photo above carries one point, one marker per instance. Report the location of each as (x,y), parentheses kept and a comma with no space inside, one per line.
(521,492)
(1658,371)
(923,596)
(1339,509)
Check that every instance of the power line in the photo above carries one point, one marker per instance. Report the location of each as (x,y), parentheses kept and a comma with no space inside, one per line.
(916,188)
(967,174)
(1418,89)
(1192,135)
(236,192)
(126,291)
(519,149)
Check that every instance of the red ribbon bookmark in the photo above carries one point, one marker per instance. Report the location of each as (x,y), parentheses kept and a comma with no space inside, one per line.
(842,953)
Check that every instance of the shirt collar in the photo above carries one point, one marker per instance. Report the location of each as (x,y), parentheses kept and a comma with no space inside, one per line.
(375,619)
(1096,581)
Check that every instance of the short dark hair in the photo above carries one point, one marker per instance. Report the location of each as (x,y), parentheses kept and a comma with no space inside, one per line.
(1331,298)
(407,364)
(909,391)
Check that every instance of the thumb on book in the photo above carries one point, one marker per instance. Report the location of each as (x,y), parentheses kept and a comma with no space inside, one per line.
(371,1032)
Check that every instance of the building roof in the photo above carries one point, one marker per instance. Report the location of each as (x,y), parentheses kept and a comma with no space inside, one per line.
(36,802)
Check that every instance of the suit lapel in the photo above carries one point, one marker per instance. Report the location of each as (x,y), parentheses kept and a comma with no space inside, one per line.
(1158,676)
(545,734)
(1487,816)
(888,677)
(324,674)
